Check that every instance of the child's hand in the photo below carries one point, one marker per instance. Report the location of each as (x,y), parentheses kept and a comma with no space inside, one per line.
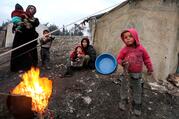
(79,55)
(21,23)
(25,16)
(124,63)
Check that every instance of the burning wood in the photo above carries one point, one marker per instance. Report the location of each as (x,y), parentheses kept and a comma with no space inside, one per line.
(38,88)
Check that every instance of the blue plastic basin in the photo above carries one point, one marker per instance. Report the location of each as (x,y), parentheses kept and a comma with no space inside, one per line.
(105,63)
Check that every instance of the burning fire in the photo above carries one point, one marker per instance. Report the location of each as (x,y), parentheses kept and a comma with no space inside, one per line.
(38,88)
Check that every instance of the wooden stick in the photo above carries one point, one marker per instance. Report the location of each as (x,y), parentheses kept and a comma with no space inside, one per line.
(126,75)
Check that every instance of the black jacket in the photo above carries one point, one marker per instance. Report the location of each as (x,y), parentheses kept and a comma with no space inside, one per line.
(89,50)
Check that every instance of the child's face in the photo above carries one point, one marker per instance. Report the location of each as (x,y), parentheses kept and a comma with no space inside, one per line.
(128,38)
(45,33)
(84,43)
(79,50)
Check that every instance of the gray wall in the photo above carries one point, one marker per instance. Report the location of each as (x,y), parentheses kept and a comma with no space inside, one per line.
(2,37)
(9,36)
(157,24)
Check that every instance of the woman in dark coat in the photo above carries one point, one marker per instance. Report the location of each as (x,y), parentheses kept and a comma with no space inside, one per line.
(89,58)
(89,51)
(23,58)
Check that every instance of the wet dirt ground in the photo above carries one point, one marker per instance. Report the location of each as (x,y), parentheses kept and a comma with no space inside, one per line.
(89,95)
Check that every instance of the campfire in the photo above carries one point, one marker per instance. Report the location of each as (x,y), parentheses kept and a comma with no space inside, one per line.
(36,87)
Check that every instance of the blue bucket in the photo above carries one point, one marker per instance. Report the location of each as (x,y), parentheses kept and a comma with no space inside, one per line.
(105,63)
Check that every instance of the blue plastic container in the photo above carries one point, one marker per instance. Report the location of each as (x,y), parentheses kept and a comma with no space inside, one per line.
(105,63)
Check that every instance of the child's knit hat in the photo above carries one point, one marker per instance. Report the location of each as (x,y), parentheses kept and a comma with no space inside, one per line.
(18,7)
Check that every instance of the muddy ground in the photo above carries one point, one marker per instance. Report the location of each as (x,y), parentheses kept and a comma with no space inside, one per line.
(89,95)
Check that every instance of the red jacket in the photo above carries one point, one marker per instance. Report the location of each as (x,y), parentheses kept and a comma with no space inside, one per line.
(19,13)
(135,56)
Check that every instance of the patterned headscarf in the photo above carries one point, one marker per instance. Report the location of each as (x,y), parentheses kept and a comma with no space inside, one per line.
(29,12)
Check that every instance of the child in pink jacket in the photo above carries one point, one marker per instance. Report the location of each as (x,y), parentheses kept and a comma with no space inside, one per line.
(133,55)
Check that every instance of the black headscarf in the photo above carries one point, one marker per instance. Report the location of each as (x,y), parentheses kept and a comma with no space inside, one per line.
(87,40)
(29,13)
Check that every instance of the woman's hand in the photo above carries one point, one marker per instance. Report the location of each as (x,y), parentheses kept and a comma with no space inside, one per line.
(124,64)
(21,23)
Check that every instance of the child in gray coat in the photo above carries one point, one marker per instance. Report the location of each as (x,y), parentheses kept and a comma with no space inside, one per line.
(46,43)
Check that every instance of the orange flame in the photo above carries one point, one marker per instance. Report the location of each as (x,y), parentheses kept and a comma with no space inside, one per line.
(38,88)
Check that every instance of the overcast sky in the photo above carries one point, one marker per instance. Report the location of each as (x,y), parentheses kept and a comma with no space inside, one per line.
(58,12)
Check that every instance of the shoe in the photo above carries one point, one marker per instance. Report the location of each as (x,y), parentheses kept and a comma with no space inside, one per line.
(65,75)
(68,75)
(137,112)
(122,105)
(47,67)
(21,72)
(137,109)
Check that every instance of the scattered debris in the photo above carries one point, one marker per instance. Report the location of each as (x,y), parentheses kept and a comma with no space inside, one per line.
(87,100)
(89,91)
(156,86)
(149,108)
(174,79)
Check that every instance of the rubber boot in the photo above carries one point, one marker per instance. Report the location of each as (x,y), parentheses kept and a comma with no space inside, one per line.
(137,109)
(122,104)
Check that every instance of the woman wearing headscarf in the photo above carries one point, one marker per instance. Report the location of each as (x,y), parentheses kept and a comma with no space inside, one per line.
(23,58)
(89,57)
(90,52)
